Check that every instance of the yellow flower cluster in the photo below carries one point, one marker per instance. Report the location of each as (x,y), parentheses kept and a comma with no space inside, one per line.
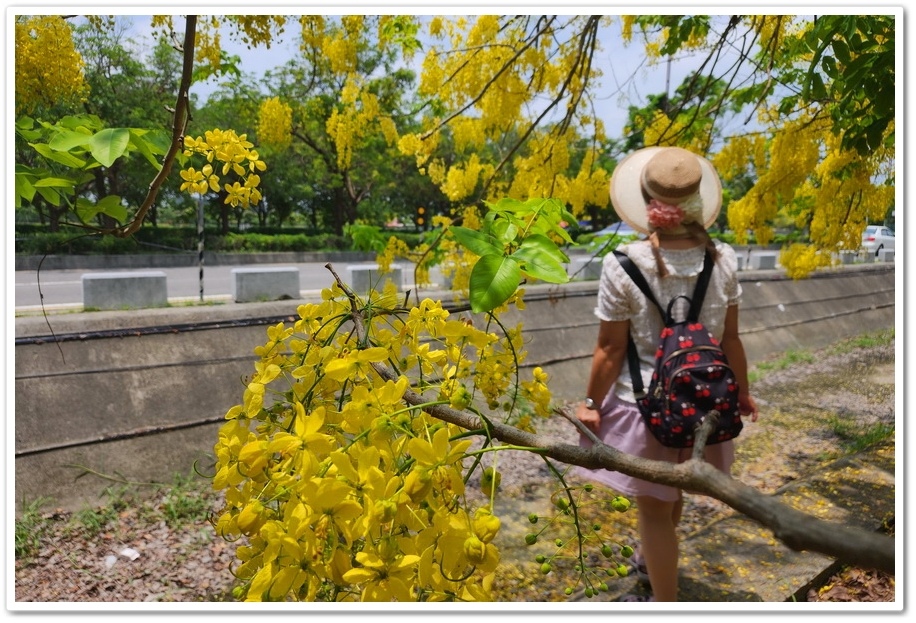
(256,30)
(773,29)
(49,70)
(488,66)
(252,30)
(339,46)
(806,179)
(237,157)
(336,486)
(357,117)
(275,123)
(800,260)
(461,180)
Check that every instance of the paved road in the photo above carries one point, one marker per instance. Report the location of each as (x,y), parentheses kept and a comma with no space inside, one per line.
(63,288)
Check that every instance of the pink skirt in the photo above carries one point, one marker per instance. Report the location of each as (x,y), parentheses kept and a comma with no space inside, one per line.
(622,427)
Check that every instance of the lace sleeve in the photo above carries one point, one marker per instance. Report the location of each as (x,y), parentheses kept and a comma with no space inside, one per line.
(614,301)
(729,262)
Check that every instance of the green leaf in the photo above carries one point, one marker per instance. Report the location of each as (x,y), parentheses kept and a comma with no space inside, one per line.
(65,140)
(494,279)
(85,209)
(540,265)
(54,182)
(828,64)
(818,91)
(508,204)
(25,127)
(540,244)
(25,123)
(24,187)
(50,195)
(476,242)
(841,51)
(62,157)
(78,122)
(110,205)
(146,144)
(505,231)
(109,145)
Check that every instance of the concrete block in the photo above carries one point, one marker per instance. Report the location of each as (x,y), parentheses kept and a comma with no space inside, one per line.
(848,257)
(124,290)
(265,284)
(585,268)
(368,277)
(764,260)
(445,276)
(886,255)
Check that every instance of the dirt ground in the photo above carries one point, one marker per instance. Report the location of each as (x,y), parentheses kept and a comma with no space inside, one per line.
(133,552)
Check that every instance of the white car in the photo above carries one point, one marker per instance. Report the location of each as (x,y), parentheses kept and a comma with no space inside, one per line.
(877,237)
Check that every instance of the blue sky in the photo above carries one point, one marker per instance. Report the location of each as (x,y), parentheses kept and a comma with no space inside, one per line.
(627,77)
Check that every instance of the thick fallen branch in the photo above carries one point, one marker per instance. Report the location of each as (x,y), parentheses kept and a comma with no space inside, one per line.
(797,530)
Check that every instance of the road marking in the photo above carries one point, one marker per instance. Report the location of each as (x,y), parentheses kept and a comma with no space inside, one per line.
(48,283)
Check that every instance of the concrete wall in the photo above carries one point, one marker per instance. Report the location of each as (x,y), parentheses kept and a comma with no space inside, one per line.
(140,395)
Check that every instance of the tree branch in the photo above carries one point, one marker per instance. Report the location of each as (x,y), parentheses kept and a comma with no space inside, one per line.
(179,125)
(797,530)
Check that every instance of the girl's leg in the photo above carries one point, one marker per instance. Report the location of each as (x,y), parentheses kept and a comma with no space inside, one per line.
(659,545)
(677,510)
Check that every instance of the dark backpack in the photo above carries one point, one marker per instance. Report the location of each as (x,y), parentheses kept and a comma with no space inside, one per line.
(691,377)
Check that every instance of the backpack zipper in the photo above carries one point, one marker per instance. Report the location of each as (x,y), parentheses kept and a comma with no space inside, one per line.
(677,371)
(688,349)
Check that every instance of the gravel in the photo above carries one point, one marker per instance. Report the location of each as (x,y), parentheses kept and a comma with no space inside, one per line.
(133,552)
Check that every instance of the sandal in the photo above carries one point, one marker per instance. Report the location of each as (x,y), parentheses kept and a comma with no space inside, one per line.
(635,597)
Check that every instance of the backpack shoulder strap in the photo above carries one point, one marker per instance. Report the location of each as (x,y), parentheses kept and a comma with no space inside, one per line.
(699,291)
(632,354)
(638,278)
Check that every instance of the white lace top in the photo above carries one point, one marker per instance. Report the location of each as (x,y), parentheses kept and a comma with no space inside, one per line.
(620,299)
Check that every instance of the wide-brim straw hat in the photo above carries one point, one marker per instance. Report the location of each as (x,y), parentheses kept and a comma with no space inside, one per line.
(668,174)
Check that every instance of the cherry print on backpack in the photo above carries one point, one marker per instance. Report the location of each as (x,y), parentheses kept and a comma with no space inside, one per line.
(692,376)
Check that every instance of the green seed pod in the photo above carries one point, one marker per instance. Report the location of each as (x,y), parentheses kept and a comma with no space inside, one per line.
(626,551)
(606,551)
(623,571)
(489,480)
(531,538)
(545,568)
(533,518)
(540,558)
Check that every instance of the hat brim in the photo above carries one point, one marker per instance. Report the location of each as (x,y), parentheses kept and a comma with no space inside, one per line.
(628,200)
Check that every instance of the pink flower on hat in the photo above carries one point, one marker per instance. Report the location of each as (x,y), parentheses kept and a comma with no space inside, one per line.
(664,215)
